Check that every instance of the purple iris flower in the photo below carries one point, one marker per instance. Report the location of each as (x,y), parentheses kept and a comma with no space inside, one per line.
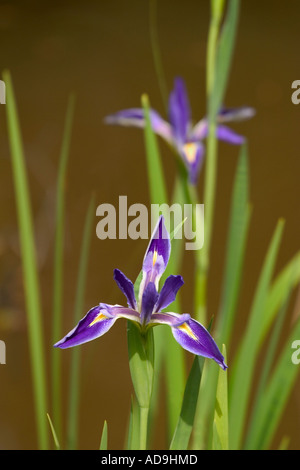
(179,132)
(146,311)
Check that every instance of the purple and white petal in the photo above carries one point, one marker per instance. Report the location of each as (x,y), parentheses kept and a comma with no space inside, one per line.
(168,292)
(95,323)
(228,135)
(149,299)
(156,257)
(199,131)
(168,318)
(235,114)
(126,286)
(179,111)
(193,337)
(135,117)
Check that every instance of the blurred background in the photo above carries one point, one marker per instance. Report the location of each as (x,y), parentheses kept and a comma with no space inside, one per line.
(101,51)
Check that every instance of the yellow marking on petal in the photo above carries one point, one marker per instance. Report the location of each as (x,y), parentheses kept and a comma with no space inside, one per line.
(98,318)
(154,257)
(190,151)
(186,329)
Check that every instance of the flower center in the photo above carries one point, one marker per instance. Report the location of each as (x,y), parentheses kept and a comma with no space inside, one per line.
(190,151)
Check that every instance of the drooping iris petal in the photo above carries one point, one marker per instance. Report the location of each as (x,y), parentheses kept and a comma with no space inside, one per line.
(199,131)
(126,286)
(156,257)
(168,292)
(149,299)
(193,337)
(228,135)
(96,323)
(235,114)
(135,117)
(179,111)
(193,155)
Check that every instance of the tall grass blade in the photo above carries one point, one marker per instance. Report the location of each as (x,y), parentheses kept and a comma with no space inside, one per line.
(221,431)
(242,374)
(253,428)
(236,242)
(54,435)
(288,278)
(74,390)
(58,268)
(276,394)
(185,422)
(133,427)
(30,274)
(103,441)
(156,52)
(224,55)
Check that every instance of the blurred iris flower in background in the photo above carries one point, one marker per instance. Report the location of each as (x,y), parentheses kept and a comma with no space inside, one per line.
(179,132)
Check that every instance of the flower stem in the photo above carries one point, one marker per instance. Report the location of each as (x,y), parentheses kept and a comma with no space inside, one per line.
(144,413)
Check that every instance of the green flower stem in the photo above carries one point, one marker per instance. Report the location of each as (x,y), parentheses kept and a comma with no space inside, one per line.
(202,258)
(156,52)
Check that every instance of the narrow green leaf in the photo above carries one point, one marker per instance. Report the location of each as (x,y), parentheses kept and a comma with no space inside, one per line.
(221,410)
(236,242)
(224,56)
(253,428)
(29,264)
(58,267)
(157,187)
(156,52)
(288,278)
(277,393)
(56,442)
(103,441)
(133,427)
(74,387)
(242,373)
(185,422)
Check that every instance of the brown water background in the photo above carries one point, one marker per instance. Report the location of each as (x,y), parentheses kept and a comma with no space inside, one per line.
(100,50)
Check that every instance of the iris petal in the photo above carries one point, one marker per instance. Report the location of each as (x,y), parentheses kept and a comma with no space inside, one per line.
(193,337)
(126,286)
(228,135)
(179,111)
(168,318)
(168,292)
(95,323)
(149,299)
(156,256)
(135,117)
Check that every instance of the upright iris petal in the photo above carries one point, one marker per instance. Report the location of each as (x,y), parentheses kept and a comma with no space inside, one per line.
(179,111)
(190,334)
(126,286)
(156,257)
